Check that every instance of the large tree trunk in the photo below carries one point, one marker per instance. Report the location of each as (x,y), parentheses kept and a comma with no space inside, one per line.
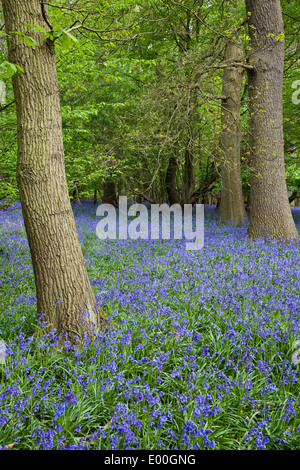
(270,213)
(63,289)
(232,202)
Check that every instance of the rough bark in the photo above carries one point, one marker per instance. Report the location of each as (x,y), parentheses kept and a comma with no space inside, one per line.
(232,207)
(270,213)
(63,289)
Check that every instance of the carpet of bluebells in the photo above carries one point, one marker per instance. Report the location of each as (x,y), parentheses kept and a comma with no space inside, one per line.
(204,355)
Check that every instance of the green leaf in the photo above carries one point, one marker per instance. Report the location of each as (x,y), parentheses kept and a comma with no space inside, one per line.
(19,69)
(73,38)
(35,26)
(46,36)
(280,37)
(29,41)
(60,33)
(39,28)
(11,69)
(67,39)
(66,42)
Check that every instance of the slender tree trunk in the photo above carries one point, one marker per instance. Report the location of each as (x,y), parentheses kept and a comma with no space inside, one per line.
(232,202)
(63,289)
(95,196)
(293,196)
(2,89)
(109,192)
(2,36)
(270,213)
(75,192)
(189,171)
(184,43)
(173,196)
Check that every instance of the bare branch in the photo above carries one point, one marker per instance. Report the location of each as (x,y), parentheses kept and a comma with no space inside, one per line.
(232,64)
(44,7)
(2,108)
(292,17)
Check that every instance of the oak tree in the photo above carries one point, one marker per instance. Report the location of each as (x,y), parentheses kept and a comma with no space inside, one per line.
(270,210)
(63,289)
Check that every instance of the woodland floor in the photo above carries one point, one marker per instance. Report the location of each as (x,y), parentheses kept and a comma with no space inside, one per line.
(204,356)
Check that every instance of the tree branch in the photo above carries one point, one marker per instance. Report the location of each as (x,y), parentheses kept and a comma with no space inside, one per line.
(44,6)
(295,19)
(233,64)
(2,108)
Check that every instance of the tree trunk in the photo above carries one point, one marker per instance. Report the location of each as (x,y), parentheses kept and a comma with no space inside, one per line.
(293,196)
(173,196)
(63,289)
(189,171)
(95,196)
(270,213)
(232,202)
(75,192)
(109,192)
(2,94)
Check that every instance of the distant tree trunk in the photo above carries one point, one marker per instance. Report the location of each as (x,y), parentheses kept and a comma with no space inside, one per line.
(63,289)
(232,207)
(75,192)
(189,171)
(109,192)
(173,196)
(2,94)
(270,213)
(95,196)
(293,196)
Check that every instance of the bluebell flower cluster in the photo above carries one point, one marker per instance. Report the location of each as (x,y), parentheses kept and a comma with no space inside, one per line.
(201,358)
